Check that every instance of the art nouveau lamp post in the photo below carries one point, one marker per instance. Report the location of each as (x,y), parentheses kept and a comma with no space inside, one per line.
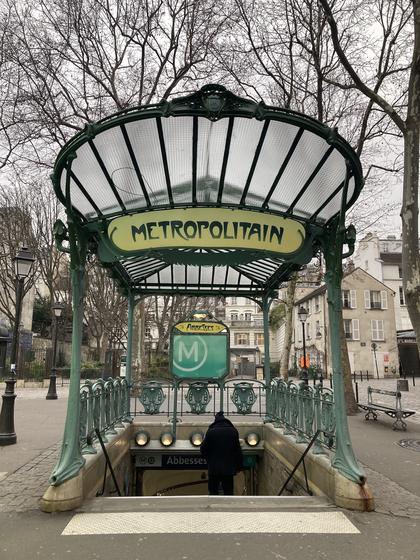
(303,315)
(23,262)
(52,389)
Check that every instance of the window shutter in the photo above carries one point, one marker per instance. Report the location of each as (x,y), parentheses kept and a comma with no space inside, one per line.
(381,330)
(367,299)
(353,301)
(355,329)
(373,329)
(384,300)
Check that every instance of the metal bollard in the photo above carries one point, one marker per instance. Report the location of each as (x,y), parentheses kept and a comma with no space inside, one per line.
(356,386)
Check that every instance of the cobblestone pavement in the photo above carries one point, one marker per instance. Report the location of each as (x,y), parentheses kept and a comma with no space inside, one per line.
(21,490)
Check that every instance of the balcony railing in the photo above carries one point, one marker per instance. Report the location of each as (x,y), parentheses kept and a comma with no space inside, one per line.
(256,323)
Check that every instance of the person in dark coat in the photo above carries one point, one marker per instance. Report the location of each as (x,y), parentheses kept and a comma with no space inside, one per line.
(222,451)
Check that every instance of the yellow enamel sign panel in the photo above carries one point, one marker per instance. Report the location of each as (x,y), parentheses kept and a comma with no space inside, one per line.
(218,228)
(200,327)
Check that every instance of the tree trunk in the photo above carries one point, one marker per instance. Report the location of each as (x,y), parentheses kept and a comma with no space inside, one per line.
(290,304)
(351,404)
(410,207)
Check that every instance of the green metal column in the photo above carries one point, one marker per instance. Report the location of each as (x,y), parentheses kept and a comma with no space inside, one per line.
(71,460)
(266,302)
(344,460)
(129,360)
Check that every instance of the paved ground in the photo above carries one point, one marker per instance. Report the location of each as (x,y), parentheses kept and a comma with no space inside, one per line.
(389,533)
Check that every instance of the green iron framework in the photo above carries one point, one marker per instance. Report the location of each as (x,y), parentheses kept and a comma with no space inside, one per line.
(211,195)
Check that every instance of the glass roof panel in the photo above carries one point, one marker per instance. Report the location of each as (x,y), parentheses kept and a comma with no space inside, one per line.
(78,198)
(179,274)
(192,274)
(144,139)
(302,164)
(245,137)
(277,143)
(116,158)
(87,170)
(178,135)
(210,150)
(206,274)
(220,275)
(331,174)
(334,205)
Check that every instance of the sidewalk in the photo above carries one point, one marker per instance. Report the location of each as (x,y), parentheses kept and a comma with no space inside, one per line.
(392,471)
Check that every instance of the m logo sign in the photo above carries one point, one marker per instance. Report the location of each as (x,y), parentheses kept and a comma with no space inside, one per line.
(191,353)
(199,356)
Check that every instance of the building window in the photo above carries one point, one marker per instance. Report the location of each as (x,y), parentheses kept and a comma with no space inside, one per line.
(234,301)
(247,316)
(402,296)
(375,299)
(318,333)
(147,332)
(351,329)
(241,339)
(234,316)
(259,339)
(348,298)
(377,327)
(400,272)
(317,304)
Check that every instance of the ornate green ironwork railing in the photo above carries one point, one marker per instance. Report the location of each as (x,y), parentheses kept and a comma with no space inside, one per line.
(103,407)
(301,410)
(234,396)
(298,408)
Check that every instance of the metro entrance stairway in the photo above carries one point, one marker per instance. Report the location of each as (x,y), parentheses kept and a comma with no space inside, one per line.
(209,514)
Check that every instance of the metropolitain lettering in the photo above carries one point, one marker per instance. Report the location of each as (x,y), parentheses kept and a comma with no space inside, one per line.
(190,230)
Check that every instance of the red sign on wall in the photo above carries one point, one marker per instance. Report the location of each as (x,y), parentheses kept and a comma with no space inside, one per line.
(302,362)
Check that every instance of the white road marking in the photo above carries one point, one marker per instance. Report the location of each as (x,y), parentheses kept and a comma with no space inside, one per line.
(209,522)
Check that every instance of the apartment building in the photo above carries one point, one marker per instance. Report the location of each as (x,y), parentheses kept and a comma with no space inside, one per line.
(382,258)
(244,318)
(369,326)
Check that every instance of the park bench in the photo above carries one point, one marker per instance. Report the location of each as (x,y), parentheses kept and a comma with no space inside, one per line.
(395,411)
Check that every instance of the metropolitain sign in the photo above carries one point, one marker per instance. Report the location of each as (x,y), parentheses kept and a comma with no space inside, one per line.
(218,228)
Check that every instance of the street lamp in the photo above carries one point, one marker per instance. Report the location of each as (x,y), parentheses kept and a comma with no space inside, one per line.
(52,391)
(23,262)
(303,315)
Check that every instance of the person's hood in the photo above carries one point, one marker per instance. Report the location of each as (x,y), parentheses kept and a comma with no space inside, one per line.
(220,420)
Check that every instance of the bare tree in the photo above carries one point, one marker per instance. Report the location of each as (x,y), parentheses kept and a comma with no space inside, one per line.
(15,231)
(399,101)
(105,311)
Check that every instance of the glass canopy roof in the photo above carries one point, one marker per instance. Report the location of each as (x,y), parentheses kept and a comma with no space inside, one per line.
(208,150)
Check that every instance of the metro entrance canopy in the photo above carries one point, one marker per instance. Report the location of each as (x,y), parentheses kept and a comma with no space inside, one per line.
(208,194)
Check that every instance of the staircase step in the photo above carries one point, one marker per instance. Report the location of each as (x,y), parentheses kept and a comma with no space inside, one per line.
(205,503)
